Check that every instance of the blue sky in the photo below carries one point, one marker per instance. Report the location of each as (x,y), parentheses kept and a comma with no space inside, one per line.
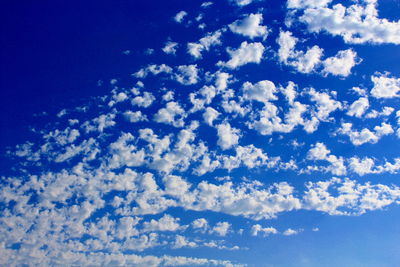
(200,133)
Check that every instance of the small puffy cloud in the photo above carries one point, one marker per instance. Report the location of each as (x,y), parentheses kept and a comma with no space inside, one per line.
(290,231)
(318,152)
(135,116)
(170,47)
(305,62)
(200,224)
(172,114)
(348,197)
(358,23)
(341,64)
(181,242)
(256,229)
(180,16)
(361,166)
(165,223)
(221,228)
(227,136)
(143,101)
(204,44)
(210,115)
(187,74)
(242,2)
(358,107)
(153,69)
(325,104)
(250,26)
(246,53)
(262,91)
(365,135)
(385,86)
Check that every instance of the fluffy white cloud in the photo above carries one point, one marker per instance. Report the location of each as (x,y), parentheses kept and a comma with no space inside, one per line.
(290,231)
(262,91)
(358,23)
(256,229)
(385,86)
(351,198)
(250,26)
(305,62)
(153,69)
(172,114)
(365,135)
(170,47)
(210,115)
(358,107)
(135,116)
(246,53)
(221,228)
(341,64)
(187,74)
(180,16)
(165,223)
(204,44)
(143,101)
(227,136)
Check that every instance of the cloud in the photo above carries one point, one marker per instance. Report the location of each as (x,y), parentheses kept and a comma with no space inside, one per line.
(304,62)
(385,86)
(358,23)
(227,136)
(262,91)
(246,53)
(221,228)
(204,44)
(250,26)
(187,74)
(170,47)
(180,16)
(256,229)
(358,107)
(365,135)
(341,64)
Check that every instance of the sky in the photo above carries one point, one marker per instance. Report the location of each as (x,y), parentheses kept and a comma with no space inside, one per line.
(200,133)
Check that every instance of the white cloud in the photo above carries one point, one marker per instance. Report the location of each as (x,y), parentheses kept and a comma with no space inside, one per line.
(262,91)
(361,166)
(242,2)
(153,69)
(358,23)
(303,62)
(210,115)
(324,103)
(365,135)
(221,228)
(256,229)
(351,198)
(144,101)
(227,136)
(187,74)
(204,44)
(385,86)
(358,107)
(165,223)
(250,26)
(172,114)
(290,231)
(341,64)
(135,116)
(180,16)
(170,47)
(246,53)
